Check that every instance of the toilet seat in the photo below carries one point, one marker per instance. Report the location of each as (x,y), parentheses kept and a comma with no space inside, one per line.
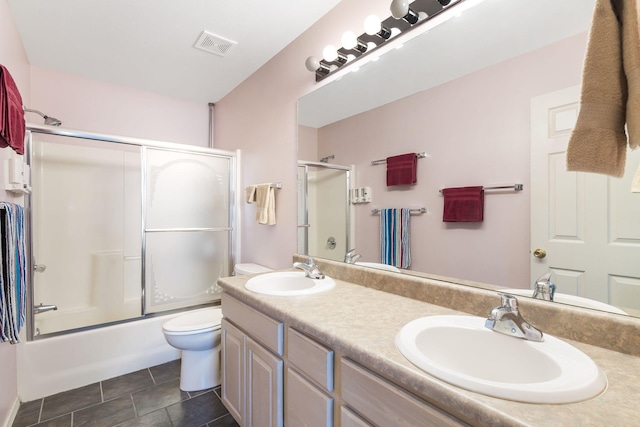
(199,321)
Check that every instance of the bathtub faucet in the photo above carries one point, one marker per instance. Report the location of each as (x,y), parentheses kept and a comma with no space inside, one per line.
(310,269)
(44,308)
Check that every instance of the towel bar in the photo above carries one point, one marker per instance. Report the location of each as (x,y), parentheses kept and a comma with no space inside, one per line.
(413,211)
(277,185)
(515,187)
(421,155)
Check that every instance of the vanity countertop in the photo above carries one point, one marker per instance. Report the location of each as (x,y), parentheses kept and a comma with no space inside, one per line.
(362,323)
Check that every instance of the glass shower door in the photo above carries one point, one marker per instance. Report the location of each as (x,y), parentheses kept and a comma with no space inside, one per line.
(187,227)
(86,222)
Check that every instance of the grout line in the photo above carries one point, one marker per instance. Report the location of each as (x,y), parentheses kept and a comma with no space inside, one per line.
(135,410)
(41,407)
(101,393)
(72,419)
(152,379)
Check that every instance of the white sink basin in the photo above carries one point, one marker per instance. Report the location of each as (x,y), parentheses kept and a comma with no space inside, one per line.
(288,283)
(570,300)
(379,266)
(462,352)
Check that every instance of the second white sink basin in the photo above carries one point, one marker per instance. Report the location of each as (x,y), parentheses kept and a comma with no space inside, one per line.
(288,283)
(462,352)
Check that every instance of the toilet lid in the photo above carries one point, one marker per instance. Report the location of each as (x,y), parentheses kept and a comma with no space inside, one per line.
(209,318)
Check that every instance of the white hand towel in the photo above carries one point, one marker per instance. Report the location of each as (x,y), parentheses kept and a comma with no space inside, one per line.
(250,193)
(635,183)
(265,198)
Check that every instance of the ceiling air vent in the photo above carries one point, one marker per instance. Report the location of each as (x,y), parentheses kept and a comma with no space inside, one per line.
(214,44)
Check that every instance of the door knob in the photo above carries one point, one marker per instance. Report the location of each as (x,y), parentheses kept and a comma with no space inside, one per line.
(539,253)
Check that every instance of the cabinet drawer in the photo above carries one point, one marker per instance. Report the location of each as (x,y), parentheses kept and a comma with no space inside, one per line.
(385,404)
(349,419)
(267,331)
(305,404)
(311,358)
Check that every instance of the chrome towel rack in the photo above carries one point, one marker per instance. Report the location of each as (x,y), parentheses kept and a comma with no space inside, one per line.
(421,155)
(514,187)
(412,211)
(277,185)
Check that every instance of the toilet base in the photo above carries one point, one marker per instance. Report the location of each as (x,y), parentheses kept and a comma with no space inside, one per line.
(200,370)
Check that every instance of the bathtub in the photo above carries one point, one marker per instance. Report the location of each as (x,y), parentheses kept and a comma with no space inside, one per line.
(52,365)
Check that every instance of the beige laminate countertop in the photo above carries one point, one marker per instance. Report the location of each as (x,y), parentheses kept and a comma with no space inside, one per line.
(362,324)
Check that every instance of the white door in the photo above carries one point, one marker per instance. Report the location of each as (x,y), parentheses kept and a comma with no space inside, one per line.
(588,224)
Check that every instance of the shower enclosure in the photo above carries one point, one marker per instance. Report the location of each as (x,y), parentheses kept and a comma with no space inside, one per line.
(324,214)
(122,228)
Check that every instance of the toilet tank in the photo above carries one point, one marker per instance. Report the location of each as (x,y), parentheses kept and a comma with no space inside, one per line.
(250,268)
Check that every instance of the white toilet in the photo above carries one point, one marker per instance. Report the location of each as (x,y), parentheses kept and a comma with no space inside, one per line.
(197,334)
(250,268)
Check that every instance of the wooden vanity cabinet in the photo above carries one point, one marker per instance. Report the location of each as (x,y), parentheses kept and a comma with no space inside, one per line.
(385,404)
(255,355)
(310,378)
(252,365)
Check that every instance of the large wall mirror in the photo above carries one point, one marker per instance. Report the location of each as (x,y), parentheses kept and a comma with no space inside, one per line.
(491,97)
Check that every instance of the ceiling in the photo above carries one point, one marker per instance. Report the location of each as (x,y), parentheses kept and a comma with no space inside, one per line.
(149,44)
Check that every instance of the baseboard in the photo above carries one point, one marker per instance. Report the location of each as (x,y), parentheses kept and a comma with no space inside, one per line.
(11,416)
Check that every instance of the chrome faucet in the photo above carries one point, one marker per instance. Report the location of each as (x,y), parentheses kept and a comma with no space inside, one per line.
(507,320)
(351,257)
(544,288)
(44,308)
(310,269)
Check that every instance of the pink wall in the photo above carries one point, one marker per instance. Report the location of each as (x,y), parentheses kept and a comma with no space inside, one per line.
(12,56)
(476,130)
(101,107)
(259,117)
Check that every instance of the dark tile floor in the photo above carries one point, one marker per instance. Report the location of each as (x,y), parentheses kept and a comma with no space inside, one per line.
(150,397)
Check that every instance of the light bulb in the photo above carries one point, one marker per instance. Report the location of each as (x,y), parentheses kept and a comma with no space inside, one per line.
(330,53)
(349,40)
(372,25)
(399,8)
(312,63)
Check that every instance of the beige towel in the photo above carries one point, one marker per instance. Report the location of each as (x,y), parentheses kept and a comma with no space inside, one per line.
(635,184)
(250,193)
(265,198)
(610,91)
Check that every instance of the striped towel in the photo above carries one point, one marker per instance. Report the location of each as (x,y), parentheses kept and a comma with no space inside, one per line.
(13,291)
(394,237)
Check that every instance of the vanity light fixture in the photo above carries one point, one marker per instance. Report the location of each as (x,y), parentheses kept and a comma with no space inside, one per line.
(378,33)
(400,10)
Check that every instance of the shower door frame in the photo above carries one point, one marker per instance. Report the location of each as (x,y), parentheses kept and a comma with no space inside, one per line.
(305,225)
(234,235)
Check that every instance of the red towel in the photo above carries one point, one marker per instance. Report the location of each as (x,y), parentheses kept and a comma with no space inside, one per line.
(12,126)
(464,204)
(402,170)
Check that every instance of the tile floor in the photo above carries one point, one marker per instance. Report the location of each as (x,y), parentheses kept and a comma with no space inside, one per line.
(150,397)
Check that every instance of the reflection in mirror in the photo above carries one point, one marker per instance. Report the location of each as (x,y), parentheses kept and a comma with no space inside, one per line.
(491,97)
(323,210)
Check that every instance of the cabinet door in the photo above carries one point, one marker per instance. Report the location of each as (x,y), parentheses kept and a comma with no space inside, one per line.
(306,404)
(264,393)
(233,373)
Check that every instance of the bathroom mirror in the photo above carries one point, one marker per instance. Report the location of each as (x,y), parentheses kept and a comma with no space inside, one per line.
(464,93)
